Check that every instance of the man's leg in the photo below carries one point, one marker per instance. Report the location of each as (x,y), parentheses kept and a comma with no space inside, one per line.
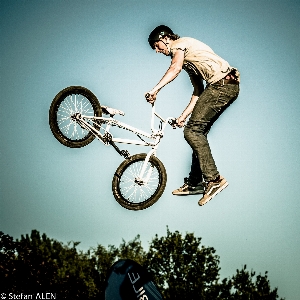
(193,184)
(210,105)
(195,175)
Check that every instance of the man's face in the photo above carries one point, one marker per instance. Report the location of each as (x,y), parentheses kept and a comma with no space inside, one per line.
(161,47)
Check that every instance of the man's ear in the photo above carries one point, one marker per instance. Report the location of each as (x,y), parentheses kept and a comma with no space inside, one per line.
(166,39)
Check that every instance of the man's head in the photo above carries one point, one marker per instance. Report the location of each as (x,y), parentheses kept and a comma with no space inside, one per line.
(159,33)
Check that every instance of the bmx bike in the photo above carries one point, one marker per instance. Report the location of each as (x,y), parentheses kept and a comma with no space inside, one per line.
(75,118)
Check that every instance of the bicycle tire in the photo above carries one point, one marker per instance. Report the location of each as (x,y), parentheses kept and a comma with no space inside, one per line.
(71,100)
(130,194)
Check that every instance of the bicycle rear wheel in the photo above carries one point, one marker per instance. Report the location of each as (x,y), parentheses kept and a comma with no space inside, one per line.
(135,195)
(68,102)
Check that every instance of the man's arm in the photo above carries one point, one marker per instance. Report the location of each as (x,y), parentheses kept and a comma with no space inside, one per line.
(198,86)
(188,110)
(197,83)
(173,71)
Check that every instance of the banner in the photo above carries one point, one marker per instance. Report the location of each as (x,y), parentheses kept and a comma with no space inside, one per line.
(127,280)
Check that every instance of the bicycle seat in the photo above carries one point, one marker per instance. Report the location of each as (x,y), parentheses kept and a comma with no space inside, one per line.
(111,111)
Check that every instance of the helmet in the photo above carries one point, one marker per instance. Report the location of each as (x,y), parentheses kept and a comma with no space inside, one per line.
(157,33)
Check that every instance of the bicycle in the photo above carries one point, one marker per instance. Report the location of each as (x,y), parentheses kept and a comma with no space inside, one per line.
(75,118)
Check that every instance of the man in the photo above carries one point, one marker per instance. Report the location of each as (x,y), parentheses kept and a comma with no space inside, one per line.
(205,106)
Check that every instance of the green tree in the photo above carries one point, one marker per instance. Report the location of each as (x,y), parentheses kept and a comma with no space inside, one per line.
(106,257)
(182,268)
(185,269)
(8,266)
(39,264)
(246,287)
(26,269)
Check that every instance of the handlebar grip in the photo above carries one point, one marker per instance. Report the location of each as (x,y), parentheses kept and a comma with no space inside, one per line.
(173,122)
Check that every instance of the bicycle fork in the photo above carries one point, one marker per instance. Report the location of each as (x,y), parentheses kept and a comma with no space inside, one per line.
(145,174)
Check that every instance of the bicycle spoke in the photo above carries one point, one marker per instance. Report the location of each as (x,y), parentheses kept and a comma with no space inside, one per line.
(136,192)
(67,108)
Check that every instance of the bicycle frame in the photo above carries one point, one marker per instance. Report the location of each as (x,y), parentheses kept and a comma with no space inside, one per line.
(107,138)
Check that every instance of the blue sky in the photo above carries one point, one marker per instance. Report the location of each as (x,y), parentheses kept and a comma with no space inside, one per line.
(102,45)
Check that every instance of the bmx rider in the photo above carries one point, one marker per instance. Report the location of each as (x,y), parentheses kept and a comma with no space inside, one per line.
(205,106)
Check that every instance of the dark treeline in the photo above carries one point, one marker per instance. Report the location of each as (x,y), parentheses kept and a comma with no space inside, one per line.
(181,267)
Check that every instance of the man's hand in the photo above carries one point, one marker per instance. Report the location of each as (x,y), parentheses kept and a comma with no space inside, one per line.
(151,97)
(188,110)
(181,121)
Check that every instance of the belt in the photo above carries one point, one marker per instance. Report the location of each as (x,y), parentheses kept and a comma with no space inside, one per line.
(228,79)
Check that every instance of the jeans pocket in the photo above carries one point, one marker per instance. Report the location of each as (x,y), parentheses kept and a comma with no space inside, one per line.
(227,94)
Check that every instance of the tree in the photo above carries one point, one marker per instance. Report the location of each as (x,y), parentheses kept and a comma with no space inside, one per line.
(185,269)
(26,270)
(182,268)
(105,258)
(7,261)
(245,286)
(39,264)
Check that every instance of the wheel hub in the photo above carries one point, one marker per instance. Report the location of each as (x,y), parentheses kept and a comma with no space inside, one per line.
(75,117)
(139,181)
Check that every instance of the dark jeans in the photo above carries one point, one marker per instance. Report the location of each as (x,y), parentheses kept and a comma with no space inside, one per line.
(210,105)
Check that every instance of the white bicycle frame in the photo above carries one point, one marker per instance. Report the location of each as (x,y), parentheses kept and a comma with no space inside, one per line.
(107,138)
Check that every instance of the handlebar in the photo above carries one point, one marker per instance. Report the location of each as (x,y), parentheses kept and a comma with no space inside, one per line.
(171,121)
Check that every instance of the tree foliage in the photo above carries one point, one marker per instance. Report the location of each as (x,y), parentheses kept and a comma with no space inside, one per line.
(246,286)
(38,264)
(180,266)
(105,257)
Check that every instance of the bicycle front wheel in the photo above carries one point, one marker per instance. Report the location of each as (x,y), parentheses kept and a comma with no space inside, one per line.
(66,104)
(130,192)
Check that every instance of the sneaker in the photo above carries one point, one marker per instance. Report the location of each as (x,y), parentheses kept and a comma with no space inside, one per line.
(187,189)
(212,189)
